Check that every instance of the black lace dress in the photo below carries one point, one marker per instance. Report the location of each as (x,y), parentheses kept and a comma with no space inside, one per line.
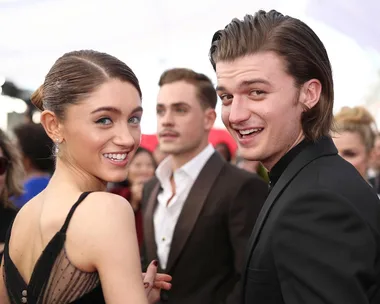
(7,215)
(54,279)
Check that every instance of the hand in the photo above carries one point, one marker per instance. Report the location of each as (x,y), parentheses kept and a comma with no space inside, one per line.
(154,282)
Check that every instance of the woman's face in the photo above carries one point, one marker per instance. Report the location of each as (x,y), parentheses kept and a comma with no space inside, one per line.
(101,134)
(351,147)
(4,175)
(141,168)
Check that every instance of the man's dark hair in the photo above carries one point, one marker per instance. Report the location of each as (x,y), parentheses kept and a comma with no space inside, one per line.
(206,90)
(301,50)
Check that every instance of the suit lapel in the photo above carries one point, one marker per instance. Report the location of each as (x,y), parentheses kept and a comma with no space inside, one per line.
(150,241)
(322,148)
(193,206)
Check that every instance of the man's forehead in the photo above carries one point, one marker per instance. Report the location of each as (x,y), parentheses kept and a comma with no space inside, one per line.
(257,68)
(177,93)
(263,61)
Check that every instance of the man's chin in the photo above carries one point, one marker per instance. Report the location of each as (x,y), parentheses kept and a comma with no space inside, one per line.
(170,150)
(250,154)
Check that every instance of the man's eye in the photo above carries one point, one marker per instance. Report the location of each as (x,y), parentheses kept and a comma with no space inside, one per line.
(257,93)
(226,97)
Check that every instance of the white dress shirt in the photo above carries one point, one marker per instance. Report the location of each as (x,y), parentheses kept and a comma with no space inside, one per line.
(166,215)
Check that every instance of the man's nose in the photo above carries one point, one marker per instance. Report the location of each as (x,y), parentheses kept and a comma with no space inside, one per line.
(239,110)
(167,119)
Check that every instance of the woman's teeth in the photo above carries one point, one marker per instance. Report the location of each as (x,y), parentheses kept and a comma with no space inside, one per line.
(116,157)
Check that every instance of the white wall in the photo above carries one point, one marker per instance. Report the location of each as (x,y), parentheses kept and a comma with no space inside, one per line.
(152,35)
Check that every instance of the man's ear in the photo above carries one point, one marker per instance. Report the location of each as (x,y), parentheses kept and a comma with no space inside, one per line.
(210,116)
(310,93)
(52,126)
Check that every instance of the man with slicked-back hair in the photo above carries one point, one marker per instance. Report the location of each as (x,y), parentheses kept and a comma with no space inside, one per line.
(317,237)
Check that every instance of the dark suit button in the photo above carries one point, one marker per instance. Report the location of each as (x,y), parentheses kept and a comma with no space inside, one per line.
(164,296)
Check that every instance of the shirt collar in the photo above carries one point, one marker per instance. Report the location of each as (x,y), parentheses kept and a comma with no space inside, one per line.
(284,162)
(192,168)
(195,165)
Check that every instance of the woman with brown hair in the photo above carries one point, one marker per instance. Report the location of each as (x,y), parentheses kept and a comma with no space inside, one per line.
(11,177)
(74,242)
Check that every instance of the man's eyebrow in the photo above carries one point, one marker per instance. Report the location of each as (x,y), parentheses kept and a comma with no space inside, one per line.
(245,83)
(176,104)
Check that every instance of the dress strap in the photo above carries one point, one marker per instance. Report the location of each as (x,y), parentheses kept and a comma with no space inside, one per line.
(69,216)
(8,235)
(6,245)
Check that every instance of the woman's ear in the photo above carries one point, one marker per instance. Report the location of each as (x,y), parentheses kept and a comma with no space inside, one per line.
(52,126)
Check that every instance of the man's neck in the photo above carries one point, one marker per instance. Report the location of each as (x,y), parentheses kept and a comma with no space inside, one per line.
(276,158)
(180,159)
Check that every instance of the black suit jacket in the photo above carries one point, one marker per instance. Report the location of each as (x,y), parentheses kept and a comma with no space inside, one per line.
(317,238)
(210,237)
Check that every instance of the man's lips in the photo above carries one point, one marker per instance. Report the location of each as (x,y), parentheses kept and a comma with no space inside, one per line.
(168,134)
(248,131)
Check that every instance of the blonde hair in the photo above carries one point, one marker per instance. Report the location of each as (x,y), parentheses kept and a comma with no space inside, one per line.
(15,173)
(357,120)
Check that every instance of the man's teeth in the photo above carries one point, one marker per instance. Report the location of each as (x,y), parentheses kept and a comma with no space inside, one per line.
(119,157)
(247,132)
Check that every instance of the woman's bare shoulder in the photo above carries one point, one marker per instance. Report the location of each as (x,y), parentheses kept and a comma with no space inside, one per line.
(103,204)
(102,219)
(26,215)
(100,212)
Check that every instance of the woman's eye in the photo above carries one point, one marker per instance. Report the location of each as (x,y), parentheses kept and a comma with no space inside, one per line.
(104,121)
(135,120)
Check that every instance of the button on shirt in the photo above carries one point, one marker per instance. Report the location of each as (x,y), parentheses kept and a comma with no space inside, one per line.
(166,215)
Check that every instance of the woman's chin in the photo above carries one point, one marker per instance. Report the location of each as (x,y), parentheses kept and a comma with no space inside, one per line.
(116,178)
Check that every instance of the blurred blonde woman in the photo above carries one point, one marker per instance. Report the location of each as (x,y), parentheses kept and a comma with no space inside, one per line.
(11,179)
(354,137)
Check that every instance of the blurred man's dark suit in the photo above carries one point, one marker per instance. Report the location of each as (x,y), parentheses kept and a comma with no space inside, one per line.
(211,235)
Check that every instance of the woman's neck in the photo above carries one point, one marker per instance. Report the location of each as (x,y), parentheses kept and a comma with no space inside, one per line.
(71,177)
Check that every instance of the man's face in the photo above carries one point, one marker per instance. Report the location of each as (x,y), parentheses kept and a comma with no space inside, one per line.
(182,123)
(261,106)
